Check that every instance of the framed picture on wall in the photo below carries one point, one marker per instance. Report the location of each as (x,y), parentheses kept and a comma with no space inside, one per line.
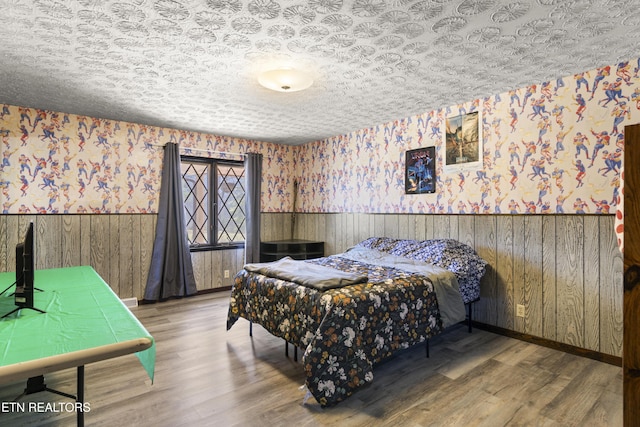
(420,171)
(463,142)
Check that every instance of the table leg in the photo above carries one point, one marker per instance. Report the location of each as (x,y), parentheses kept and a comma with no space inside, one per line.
(80,397)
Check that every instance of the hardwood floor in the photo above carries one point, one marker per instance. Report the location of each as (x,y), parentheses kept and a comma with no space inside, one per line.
(207,376)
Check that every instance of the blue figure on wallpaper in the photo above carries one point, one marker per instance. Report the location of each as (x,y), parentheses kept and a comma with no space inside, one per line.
(560,141)
(559,84)
(602,206)
(41,163)
(103,183)
(531,149)
(558,113)
(25,185)
(48,181)
(48,133)
(82,168)
(528,93)
(529,206)
(6,155)
(66,164)
(513,153)
(544,188)
(612,161)
(619,113)
(81,141)
(545,208)
(95,124)
(546,91)
(545,150)
(513,97)
(25,115)
(580,206)
(514,207)
(82,186)
(95,168)
(481,175)
(581,80)
(82,123)
(601,74)
(101,139)
(514,119)
(558,175)
(496,207)
(40,116)
(581,172)
(514,177)
(602,140)
(623,71)
(538,108)
(582,105)
(461,181)
(25,135)
(615,184)
(544,126)
(613,92)
(53,198)
(580,141)
(24,161)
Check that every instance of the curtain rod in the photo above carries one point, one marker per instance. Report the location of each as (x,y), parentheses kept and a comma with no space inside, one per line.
(200,150)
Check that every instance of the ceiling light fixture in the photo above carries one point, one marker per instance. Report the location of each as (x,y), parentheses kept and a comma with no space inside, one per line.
(285,79)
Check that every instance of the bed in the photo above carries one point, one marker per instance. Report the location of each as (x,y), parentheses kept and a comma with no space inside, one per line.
(353,310)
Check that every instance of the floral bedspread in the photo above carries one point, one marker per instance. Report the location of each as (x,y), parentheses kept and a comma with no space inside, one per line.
(345,331)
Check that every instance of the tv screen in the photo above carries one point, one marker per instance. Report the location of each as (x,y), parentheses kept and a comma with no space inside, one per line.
(25,267)
(24,270)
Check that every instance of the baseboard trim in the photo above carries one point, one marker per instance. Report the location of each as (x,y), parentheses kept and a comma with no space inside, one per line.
(214,290)
(567,348)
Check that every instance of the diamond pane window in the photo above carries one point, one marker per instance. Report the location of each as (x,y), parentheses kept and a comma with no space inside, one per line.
(230,192)
(213,192)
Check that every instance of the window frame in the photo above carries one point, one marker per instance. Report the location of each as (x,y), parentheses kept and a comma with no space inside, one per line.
(212,164)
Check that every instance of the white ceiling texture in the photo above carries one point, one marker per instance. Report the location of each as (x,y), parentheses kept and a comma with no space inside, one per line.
(193,64)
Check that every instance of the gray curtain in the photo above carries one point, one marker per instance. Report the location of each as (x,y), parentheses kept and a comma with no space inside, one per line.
(171,271)
(253,168)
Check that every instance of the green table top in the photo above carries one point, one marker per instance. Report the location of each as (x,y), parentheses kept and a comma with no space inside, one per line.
(85,321)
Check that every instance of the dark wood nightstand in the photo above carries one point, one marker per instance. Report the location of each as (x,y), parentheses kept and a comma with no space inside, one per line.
(295,248)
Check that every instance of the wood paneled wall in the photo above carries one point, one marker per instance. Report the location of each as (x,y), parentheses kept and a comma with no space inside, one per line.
(119,248)
(565,269)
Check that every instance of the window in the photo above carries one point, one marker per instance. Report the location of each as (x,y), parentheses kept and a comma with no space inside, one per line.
(214,192)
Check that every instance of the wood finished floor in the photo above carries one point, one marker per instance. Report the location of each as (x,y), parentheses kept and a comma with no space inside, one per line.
(207,376)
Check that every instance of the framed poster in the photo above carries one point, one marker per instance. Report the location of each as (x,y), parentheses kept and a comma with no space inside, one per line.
(420,171)
(463,142)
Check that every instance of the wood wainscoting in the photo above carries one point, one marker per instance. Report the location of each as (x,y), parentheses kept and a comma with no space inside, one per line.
(566,270)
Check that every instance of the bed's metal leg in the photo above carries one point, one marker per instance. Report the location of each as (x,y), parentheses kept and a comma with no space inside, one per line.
(295,353)
(286,348)
(427,347)
(250,328)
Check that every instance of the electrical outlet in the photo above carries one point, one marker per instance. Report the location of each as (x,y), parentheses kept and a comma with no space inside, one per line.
(520,310)
(226,274)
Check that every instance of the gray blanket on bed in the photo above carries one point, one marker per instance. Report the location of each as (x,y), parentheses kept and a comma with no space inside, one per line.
(306,274)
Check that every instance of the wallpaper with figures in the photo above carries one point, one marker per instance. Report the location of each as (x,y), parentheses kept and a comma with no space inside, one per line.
(551,147)
(62,163)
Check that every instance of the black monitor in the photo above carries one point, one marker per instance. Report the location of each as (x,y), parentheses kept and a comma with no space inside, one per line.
(25,267)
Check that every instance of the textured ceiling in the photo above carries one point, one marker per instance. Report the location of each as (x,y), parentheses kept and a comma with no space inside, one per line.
(193,64)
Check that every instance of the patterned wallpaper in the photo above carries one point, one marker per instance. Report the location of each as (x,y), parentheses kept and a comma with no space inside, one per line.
(552,147)
(62,163)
